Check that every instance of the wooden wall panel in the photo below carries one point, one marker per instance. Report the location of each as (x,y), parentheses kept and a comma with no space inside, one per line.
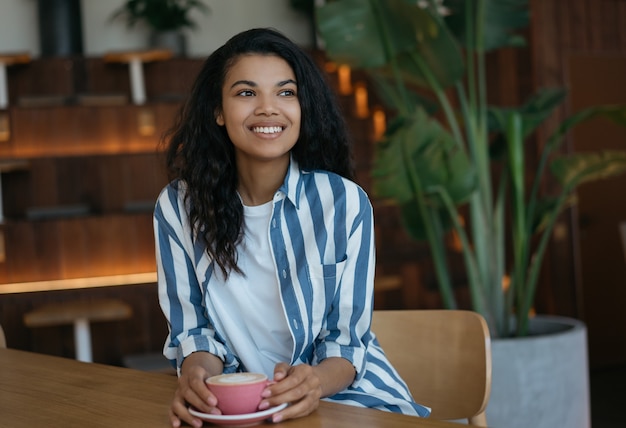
(561,30)
(78,247)
(603,270)
(103,184)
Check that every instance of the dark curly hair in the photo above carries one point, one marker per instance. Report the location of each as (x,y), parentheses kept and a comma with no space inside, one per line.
(200,153)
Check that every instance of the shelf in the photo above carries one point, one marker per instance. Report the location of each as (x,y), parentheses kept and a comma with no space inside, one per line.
(80,130)
(81,167)
(79,283)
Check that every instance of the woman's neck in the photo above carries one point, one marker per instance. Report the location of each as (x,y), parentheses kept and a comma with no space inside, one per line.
(259,181)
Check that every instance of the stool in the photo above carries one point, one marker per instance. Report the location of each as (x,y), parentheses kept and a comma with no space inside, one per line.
(79,314)
(135,60)
(7,59)
(3,340)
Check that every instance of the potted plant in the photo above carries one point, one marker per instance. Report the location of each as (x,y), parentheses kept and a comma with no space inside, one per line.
(448,151)
(166,20)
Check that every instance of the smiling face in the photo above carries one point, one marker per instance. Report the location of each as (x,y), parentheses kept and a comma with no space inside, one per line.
(260,108)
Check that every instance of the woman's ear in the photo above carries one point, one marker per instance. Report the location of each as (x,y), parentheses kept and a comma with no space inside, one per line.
(219,118)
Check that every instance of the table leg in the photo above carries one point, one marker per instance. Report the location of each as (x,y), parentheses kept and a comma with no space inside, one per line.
(137,85)
(4,90)
(82,340)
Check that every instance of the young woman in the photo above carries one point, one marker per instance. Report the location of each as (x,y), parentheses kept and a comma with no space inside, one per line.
(265,247)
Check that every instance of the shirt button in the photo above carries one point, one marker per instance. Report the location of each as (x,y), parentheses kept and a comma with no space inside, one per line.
(284,274)
(274,222)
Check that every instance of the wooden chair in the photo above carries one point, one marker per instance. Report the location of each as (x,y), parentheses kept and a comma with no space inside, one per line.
(443,355)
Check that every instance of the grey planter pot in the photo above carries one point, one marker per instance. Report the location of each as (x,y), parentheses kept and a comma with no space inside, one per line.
(60,28)
(176,41)
(541,381)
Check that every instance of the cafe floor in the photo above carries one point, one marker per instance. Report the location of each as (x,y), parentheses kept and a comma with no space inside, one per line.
(608,395)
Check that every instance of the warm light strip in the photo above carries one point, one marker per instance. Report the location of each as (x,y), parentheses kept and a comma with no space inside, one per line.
(380,124)
(360,101)
(5,127)
(345,80)
(78,283)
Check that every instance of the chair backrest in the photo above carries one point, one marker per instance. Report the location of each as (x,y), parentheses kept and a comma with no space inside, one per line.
(444,356)
(3,340)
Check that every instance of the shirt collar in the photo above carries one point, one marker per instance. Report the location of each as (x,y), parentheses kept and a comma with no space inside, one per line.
(294,181)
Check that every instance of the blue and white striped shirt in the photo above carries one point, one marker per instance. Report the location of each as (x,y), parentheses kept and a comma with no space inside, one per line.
(322,239)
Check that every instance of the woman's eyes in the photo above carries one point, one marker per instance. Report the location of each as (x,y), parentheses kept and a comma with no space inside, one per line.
(283,93)
(246,93)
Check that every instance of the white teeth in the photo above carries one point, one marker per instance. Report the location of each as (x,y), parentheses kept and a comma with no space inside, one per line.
(267,129)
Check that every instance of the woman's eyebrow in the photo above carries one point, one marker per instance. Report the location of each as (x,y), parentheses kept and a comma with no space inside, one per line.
(244,82)
(254,84)
(286,82)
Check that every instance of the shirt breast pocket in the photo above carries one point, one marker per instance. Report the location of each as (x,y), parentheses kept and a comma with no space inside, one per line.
(327,274)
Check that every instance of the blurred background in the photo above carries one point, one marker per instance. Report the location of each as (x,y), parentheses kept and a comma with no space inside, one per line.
(80,165)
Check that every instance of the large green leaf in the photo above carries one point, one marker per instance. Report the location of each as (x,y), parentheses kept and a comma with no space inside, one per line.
(579,168)
(389,94)
(350,33)
(615,113)
(377,33)
(419,145)
(502,20)
(545,209)
(536,110)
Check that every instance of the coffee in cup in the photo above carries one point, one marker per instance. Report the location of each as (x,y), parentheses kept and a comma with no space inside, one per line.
(237,393)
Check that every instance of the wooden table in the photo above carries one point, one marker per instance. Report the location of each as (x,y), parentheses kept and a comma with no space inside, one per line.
(39,390)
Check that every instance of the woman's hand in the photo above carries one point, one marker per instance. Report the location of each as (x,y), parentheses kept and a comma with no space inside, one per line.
(303,385)
(193,391)
(298,385)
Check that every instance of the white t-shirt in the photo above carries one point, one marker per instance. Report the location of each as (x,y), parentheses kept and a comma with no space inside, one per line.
(249,306)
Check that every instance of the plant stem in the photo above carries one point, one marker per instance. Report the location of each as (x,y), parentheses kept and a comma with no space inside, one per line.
(476,290)
(516,165)
(434,233)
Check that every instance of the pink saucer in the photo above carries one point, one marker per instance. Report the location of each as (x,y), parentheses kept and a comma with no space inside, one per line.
(247,420)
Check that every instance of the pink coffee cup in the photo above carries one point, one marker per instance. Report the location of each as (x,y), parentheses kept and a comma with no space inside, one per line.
(237,393)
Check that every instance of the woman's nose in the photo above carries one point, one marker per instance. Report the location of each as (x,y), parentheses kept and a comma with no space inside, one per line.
(266,106)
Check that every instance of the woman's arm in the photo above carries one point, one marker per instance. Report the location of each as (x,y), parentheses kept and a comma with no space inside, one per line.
(192,389)
(335,375)
(303,386)
(349,317)
(180,294)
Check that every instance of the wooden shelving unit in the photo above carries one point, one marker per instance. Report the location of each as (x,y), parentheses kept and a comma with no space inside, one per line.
(81,205)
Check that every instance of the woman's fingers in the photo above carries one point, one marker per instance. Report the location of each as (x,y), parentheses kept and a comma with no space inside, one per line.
(303,407)
(192,391)
(179,410)
(299,386)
